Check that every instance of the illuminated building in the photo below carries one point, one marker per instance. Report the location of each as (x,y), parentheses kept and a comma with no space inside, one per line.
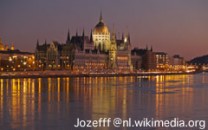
(15,60)
(162,60)
(5,47)
(101,35)
(12,59)
(177,60)
(80,52)
(178,63)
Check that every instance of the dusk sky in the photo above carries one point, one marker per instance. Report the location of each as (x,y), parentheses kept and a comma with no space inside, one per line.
(172,26)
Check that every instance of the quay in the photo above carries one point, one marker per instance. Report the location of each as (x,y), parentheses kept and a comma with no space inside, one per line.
(64,73)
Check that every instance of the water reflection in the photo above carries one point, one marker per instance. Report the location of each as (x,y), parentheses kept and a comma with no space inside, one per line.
(55,103)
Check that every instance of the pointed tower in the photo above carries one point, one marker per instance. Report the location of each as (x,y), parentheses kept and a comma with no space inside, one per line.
(91,39)
(45,42)
(37,44)
(1,41)
(83,33)
(122,37)
(151,49)
(129,40)
(112,53)
(76,33)
(68,38)
(147,47)
(101,17)
(1,45)
(83,37)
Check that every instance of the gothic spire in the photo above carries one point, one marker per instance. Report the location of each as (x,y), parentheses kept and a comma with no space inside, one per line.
(91,40)
(151,49)
(45,42)
(129,38)
(0,41)
(76,33)
(68,37)
(122,37)
(83,33)
(101,17)
(37,43)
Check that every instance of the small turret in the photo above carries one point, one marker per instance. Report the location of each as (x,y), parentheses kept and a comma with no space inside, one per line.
(91,40)
(68,37)
(37,43)
(45,42)
(83,33)
(76,33)
(129,40)
(122,37)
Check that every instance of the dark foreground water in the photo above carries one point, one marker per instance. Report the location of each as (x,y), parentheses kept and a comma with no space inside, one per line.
(56,103)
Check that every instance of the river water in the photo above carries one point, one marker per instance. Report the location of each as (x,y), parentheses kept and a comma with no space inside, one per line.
(56,103)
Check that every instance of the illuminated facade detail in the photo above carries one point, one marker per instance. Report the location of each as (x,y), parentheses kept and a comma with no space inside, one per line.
(101,35)
(112,53)
(52,56)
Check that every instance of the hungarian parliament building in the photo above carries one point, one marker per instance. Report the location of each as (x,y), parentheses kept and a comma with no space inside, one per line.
(101,51)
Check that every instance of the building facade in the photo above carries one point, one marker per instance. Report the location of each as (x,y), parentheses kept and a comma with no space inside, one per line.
(162,61)
(102,50)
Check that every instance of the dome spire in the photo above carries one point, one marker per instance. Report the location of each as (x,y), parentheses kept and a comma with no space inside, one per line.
(101,16)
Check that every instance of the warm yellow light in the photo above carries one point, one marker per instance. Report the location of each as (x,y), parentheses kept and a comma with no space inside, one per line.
(125,39)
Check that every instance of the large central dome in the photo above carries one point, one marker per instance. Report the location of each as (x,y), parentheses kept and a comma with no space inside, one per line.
(101,28)
(101,35)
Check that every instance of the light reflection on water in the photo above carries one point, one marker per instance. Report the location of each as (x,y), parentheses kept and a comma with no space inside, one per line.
(55,103)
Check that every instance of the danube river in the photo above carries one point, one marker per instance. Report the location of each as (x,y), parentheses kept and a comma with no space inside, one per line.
(56,103)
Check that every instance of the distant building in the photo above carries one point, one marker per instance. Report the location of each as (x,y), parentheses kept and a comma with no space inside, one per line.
(143,58)
(15,60)
(5,47)
(12,59)
(162,60)
(177,60)
(178,63)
